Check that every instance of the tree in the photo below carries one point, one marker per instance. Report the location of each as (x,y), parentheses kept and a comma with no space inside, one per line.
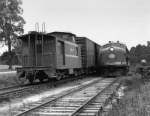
(4,58)
(140,52)
(11,23)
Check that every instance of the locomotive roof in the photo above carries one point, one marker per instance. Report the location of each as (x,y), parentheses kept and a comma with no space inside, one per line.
(118,44)
(32,33)
(62,33)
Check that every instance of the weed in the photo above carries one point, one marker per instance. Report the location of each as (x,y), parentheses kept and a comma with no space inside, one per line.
(136,101)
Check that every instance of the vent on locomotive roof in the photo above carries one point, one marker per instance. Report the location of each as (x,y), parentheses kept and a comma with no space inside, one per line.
(37,30)
(37,27)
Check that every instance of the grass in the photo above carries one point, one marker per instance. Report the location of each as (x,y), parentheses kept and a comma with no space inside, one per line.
(7,79)
(136,101)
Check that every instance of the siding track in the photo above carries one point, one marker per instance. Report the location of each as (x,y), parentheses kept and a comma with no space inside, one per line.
(20,90)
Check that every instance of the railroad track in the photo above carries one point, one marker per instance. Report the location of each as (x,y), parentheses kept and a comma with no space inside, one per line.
(9,87)
(3,89)
(18,91)
(83,101)
(15,91)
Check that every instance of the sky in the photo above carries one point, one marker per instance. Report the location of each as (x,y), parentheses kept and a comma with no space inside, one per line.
(100,20)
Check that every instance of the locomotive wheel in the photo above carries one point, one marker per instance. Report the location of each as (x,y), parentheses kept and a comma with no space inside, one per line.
(41,76)
(41,80)
(30,77)
(59,76)
(21,79)
(76,74)
(31,80)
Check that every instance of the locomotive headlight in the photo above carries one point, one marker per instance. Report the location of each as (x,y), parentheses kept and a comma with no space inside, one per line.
(111,49)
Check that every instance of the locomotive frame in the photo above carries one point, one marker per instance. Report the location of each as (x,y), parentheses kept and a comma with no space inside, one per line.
(47,56)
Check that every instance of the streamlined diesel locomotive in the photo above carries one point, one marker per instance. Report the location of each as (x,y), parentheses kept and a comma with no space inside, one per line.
(114,59)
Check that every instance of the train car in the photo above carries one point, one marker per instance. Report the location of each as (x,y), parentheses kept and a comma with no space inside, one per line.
(113,59)
(88,54)
(44,56)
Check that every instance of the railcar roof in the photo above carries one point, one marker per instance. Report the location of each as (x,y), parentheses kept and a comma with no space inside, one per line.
(85,38)
(62,33)
(78,38)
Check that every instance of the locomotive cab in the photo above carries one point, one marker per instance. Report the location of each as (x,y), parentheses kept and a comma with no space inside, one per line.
(37,54)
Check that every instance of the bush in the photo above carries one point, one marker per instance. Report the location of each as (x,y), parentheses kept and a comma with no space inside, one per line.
(5,58)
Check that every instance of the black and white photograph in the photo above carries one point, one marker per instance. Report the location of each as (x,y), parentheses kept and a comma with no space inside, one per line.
(74,58)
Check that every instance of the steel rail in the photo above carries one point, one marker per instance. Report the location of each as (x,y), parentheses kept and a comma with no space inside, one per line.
(75,113)
(10,87)
(58,97)
(13,91)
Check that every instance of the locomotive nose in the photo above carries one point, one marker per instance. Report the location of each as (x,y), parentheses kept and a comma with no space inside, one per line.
(111,56)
